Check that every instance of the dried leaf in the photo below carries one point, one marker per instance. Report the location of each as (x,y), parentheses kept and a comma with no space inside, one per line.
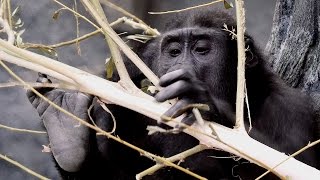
(147,87)
(19,41)
(21,32)
(45,51)
(46,149)
(145,83)
(18,21)
(56,14)
(110,67)
(152,89)
(140,38)
(15,11)
(227,5)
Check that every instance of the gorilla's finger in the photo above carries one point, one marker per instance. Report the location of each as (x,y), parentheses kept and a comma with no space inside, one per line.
(174,76)
(172,91)
(42,78)
(174,112)
(188,120)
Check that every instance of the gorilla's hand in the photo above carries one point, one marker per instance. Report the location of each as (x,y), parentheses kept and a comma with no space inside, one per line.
(69,140)
(184,85)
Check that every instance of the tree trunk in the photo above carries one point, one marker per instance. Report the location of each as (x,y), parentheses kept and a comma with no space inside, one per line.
(294,47)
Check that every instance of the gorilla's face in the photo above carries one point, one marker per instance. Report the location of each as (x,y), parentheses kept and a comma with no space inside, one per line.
(202,51)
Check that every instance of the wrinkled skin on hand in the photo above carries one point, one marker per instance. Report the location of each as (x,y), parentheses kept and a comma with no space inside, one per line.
(70,145)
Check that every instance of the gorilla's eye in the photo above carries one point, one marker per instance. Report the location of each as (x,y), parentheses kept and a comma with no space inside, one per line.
(202,50)
(175,52)
(202,47)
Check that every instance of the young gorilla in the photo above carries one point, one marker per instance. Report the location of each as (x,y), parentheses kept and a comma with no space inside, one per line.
(197,62)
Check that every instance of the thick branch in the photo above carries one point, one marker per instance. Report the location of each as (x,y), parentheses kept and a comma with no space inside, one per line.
(231,140)
(115,52)
(241,65)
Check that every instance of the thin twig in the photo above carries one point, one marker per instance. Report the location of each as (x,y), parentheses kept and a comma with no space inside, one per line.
(83,17)
(291,156)
(81,38)
(9,14)
(177,157)
(248,108)
(22,167)
(86,36)
(77,27)
(186,9)
(22,130)
(123,11)
(148,29)
(40,85)
(104,107)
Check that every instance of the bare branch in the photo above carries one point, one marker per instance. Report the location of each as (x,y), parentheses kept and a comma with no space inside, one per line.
(22,130)
(186,9)
(177,157)
(40,85)
(115,52)
(248,108)
(291,156)
(23,167)
(35,67)
(241,65)
(86,36)
(147,28)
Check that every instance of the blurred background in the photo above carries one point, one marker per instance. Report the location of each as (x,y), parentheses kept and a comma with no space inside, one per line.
(40,27)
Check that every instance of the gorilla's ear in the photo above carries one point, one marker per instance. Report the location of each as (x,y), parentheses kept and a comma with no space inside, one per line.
(251,59)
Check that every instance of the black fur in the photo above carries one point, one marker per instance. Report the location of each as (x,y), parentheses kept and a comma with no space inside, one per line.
(282,117)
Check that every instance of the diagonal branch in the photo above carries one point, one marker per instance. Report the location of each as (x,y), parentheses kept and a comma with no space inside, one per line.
(126,50)
(231,140)
(22,167)
(177,157)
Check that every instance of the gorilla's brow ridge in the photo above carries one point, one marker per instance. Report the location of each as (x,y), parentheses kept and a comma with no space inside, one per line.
(196,33)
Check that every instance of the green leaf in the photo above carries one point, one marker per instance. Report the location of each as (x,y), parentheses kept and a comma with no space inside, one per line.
(110,67)
(227,5)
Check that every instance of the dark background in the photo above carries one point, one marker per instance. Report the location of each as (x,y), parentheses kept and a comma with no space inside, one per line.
(15,110)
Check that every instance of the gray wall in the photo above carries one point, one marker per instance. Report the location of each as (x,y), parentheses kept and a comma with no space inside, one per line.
(15,111)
